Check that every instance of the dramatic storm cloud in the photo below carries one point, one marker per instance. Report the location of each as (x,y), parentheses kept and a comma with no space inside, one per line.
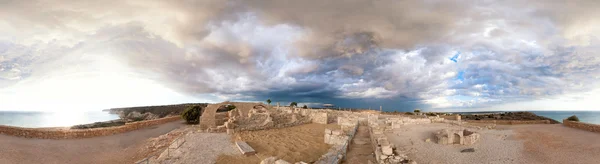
(428,54)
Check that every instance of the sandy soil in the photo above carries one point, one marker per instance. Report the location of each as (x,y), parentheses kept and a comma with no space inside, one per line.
(361,149)
(494,147)
(121,148)
(526,144)
(200,148)
(545,143)
(294,144)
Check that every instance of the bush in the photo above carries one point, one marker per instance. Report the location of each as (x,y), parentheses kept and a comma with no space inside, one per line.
(417,111)
(573,118)
(409,113)
(293,104)
(305,107)
(192,114)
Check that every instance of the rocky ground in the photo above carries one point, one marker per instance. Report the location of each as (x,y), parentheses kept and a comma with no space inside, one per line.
(110,123)
(508,116)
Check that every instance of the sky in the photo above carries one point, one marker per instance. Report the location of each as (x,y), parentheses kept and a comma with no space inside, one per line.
(435,55)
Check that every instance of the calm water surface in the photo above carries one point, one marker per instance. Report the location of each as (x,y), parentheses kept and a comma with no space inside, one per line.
(53,119)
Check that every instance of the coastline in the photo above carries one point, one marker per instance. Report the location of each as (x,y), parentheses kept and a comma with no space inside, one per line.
(68,133)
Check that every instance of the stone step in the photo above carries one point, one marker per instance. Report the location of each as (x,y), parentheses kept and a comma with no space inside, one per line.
(245,148)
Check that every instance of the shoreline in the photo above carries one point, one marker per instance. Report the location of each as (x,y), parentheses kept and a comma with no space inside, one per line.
(68,133)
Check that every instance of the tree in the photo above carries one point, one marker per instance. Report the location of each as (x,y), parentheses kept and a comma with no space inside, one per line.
(293,104)
(305,107)
(417,111)
(269,101)
(192,114)
(573,118)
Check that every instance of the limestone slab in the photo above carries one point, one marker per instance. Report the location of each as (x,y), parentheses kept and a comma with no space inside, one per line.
(245,148)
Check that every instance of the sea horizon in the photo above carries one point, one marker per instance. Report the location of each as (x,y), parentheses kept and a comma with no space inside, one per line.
(47,119)
(43,119)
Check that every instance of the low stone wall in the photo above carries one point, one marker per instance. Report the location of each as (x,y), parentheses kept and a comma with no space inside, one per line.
(510,122)
(340,142)
(81,133)
(582,126)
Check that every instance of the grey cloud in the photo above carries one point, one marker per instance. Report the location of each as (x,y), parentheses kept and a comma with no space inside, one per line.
(402,47)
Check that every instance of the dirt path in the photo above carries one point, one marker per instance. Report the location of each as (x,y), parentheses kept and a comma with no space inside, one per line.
(361,149)
(118,149)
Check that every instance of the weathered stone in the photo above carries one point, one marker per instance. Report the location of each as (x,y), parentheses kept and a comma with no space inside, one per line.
(336,132)
(383,157)
(427,140)
(245,148)
(387,150)
(468,150)
(301,162)
(281,161)
(270,160)
(327,131)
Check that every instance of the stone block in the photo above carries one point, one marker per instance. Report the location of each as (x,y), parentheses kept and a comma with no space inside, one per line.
(327,131)
(387,150)
(336,132)
(245,148)
(270,160)
(281,161)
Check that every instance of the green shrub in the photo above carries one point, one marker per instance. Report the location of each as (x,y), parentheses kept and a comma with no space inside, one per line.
(231,107)
(573,118)
(293,104)
(417,111)
(192,114)
(305,107)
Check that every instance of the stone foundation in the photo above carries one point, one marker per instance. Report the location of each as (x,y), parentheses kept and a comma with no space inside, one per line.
(454,136)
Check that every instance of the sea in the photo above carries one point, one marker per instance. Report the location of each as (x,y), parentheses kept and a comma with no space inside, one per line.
(592,117)
(53,119)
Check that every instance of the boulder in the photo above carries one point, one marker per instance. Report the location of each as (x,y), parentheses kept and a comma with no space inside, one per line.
(281,161)
(387,150)
(270,160)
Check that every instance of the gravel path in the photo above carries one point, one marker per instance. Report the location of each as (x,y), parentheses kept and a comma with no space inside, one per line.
(119,148)
(494,147)
(200,148)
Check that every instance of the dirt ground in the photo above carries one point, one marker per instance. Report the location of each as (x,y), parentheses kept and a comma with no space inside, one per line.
(495,146)
(120,148)
(555,143)
(293,144)
(525,144)
(361,149)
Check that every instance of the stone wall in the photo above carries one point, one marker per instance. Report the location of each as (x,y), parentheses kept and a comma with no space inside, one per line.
(81,133)
(319,117)
(582,126)
(510,122)
(340,142)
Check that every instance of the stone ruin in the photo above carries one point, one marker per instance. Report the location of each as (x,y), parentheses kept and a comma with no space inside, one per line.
(456,136)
